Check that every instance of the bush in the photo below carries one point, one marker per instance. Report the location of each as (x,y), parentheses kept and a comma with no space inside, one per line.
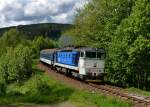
(16,64)
(39,89)
(36,85)
(10,38)
(2,88)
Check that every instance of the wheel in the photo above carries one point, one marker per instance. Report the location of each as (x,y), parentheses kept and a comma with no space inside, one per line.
(68,72)
(82,77)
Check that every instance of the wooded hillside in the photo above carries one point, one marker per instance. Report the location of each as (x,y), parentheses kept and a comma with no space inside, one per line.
(51,30)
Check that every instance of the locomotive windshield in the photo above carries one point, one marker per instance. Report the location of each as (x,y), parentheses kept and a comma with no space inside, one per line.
(100,55)
(90,54)
(95,55)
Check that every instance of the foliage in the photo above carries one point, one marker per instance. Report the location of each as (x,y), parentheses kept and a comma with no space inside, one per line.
(129,52)
(66,41)
(15,65)
(51,30)
(94,25)
(122,27)
(16,56)
(12,38)
(40,43)
(2,88)
(41,88)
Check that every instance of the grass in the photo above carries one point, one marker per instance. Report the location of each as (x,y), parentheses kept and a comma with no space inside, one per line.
(43,89)
(38,89)
(138,91)
(134,90)
(84,98)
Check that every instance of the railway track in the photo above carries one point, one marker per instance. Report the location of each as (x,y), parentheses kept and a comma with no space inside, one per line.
(138,101)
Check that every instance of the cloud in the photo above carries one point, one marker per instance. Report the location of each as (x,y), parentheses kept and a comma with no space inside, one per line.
(16,12)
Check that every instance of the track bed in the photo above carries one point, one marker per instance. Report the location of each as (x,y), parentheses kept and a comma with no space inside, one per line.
(138,101)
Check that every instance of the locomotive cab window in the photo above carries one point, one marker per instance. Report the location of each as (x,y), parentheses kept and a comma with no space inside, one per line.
(100,55)
(91,54)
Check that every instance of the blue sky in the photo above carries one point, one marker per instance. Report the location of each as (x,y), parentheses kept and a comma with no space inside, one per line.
(22,12)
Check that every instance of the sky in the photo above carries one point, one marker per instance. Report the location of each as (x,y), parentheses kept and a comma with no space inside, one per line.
(23,12)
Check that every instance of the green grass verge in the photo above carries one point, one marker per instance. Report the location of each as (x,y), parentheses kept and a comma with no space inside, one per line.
(38,89)
(44,89)
(85,98)
(138,91)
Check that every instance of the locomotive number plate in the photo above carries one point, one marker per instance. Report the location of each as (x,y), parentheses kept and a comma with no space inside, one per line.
(94,70)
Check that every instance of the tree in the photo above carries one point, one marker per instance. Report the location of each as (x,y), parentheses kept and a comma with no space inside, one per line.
(129,51)
(11,38)
(122,27)
(16,65)
(66,41)
(40,43)
(139,62)
(96,23)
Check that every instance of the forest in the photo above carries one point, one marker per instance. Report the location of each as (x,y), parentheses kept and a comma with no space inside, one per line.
(51,30)
(16,56)
(21,82)
(122,28)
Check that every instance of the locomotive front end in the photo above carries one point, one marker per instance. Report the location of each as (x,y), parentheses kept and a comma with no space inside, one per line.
(91,64)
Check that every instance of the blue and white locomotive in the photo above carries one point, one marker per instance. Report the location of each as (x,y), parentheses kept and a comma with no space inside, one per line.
(85,63)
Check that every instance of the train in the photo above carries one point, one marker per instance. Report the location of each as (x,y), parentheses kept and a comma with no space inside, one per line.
(85,63)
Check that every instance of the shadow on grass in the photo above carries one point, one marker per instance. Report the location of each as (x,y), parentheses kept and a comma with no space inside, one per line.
(40,89)
(51,96)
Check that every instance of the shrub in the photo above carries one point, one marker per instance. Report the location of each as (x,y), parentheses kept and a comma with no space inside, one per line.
(2,88)
(16,64)
(10,38)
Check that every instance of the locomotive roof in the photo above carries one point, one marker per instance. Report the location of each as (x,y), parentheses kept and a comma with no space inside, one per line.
(90,49)
(49,50)
(79,49)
